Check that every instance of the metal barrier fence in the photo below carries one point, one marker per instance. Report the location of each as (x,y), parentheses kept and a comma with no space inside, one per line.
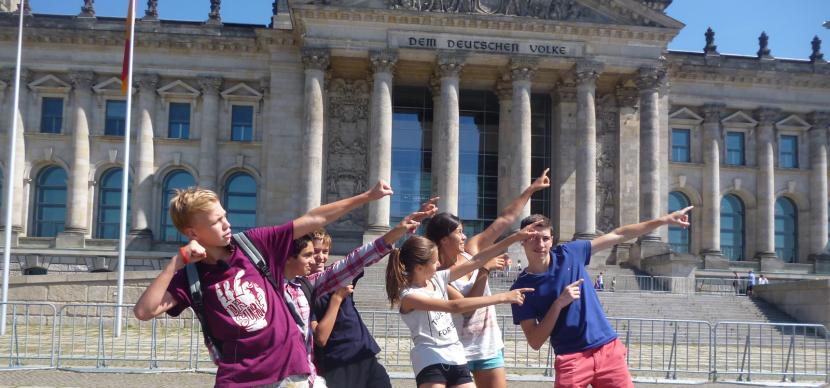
(80,336)
(730,286)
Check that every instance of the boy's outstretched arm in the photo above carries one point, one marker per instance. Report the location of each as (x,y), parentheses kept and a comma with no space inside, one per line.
(632,231)
(539,332)
(155,299)
(321,216)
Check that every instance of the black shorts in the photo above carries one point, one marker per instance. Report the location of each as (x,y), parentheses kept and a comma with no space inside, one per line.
(445,374)
(363,373)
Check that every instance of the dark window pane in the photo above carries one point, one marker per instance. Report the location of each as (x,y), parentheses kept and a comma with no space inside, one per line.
(240,201)
(51,115)
(411,149)
(735,148)
(50,202)
(732,227)
(786,230)
(680,145)
(109,204)
(178,179)
(242,123)
(788,152)
(116,117)
(679,238)
(179,121)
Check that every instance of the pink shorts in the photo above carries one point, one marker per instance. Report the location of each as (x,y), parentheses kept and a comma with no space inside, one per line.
(602,367)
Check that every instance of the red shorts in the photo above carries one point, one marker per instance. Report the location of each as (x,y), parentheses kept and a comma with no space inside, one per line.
(602,367)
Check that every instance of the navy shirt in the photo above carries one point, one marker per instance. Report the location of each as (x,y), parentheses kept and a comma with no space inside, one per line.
(350,340)
(582,325)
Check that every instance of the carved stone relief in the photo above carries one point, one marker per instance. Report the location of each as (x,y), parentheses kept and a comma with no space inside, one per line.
(347,163)
(607,163)
(541,9)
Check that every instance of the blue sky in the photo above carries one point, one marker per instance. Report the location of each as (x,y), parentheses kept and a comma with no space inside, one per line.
(790,24)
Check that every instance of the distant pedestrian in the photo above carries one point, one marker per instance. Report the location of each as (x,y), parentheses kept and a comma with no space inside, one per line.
(751,285)
(600,282)
(763,280)
(736,281)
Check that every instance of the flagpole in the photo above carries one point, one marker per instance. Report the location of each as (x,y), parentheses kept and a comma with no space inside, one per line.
(11,178)
(125,182)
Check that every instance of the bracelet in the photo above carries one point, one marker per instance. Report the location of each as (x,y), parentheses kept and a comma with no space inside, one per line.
(182,253)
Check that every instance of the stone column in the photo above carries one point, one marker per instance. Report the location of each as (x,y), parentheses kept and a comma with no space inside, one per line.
(19,181)
(504,92)
(316,63)
(564,154)
(142,192)
(445,141)
(649,81)
(209,133)
(628,196)
(380,138)
(765,239)
(818,185)
(587,73)
(710,226)
(522,70)
(77,222)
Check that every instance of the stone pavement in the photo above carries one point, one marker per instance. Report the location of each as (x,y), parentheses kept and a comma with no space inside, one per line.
(60,378)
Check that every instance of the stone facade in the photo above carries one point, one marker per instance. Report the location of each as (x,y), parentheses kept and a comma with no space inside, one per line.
(320,87)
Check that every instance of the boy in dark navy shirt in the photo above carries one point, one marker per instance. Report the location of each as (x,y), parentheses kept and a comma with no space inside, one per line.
(562,309)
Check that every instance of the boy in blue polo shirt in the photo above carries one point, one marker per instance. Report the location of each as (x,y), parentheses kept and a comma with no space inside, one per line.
(562,309)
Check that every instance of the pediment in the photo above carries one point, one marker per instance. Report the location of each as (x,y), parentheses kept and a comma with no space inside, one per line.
(178,88)
(50,83)
(109,86)
(685,116)
(739,119)
(793,123)
(241,91)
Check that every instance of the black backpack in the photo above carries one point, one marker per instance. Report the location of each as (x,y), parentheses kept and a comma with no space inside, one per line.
(253,254)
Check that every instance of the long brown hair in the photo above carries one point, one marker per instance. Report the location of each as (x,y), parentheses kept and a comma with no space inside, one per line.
(416,250)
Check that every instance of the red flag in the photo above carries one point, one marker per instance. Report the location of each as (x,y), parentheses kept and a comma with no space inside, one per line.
(125,66)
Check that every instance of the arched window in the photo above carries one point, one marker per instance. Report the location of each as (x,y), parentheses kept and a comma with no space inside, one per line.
(50,202)
(240,201)
(178,179)
(732,227)
(786,230)
(679,238)
(109,204)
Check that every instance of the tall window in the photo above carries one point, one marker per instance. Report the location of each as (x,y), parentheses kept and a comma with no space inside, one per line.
(680,145)
(109,204)
(788,152)
(679,238)
(178,121)
(540,153)
(732,227)
(242,123)
(786,230)
(478,159)
(411,150)
(735,148)
(240,201)
(116,117)
(178,179)
(51,115)
(50,202)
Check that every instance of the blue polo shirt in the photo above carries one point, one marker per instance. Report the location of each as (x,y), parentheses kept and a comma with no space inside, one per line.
(582,325)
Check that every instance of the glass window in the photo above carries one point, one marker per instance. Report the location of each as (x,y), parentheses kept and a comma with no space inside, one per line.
(786,230)
(242,123)
(109,204)
(240,201)
(788,152)
(679,238)
(116,117)
(411,150)
(732,227)
(735,148)
(178,122)
(478,159)
(51,115)
(178,179)
(50,202)
(540,153)
(680,145)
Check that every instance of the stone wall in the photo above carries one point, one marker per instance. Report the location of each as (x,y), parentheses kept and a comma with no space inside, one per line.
(808,301)
(78,288)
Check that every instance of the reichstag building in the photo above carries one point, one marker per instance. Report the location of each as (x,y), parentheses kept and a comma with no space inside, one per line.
(464,99)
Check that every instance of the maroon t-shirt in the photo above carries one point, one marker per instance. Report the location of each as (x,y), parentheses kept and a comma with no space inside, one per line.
(260,341)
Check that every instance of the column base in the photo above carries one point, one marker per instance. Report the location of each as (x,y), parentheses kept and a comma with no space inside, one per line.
(584,236)
(71,238)
(372,233)
(821,263)
(140,240)
(101,263)
(714,260)
(769,262)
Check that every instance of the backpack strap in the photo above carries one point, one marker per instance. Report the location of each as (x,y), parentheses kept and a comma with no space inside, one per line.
(197,303)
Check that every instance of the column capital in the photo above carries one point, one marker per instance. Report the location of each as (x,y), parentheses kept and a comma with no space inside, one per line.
(7,74)
(81,80)
(210,84)
(712,112)
(650,78)
(504,88)
(767,115)
(316,58)
(587,71)
(627,96)
(147,82)
(449,64)
(820,119)
(383,61)
(523,68)
(565,91)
